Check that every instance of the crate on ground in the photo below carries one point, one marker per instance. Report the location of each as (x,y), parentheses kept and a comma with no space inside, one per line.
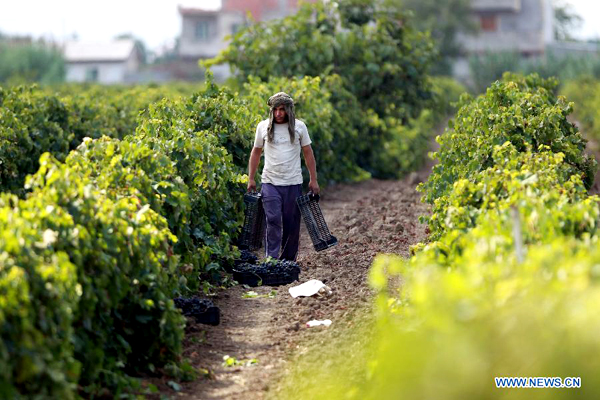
(317,228)
(253,230)
(268,273)
(203,310)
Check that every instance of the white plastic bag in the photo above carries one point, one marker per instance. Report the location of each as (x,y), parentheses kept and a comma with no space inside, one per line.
(315,322)
(307,289)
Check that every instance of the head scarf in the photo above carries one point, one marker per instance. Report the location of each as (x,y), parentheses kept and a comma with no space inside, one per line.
(282,99)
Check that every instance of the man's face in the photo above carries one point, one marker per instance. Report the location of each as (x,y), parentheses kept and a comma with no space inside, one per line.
(280,115)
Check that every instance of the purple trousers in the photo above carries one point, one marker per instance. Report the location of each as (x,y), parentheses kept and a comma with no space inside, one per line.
(283,220)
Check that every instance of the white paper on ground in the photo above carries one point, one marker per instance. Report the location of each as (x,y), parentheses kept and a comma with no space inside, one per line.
(307,289)
(315,322)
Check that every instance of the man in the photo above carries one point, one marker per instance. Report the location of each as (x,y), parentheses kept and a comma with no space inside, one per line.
(283,138)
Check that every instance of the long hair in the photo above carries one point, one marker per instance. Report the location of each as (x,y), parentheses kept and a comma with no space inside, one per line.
(282,99)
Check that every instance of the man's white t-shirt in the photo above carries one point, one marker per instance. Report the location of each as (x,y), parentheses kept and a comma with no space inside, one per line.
(282,158)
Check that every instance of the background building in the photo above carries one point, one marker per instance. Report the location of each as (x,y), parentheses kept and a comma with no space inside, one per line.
(108,63)
(204,33)
(525,26)
(522,26)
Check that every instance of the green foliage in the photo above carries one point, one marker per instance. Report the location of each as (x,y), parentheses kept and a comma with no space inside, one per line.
(469,296)
(566,67)
(445,20)
(446,94)
(150,201)
(522,111)
(215,185)
(336,141)
(403,146)
(349,143)
(380,59)
(357,12)
(35,121)
(304,46)
(489,67)
(38,297)
(22,63)
(585,92)
(123,169)
(472,294)
(122,320)
(493,314)
(511,285)
(141,219)
(372,63)
(382,62)
(32,123)
(96,111)
(227,116)
(566,20)
(514,176)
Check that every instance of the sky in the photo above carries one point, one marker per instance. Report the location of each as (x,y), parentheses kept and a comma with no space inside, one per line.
(156,22)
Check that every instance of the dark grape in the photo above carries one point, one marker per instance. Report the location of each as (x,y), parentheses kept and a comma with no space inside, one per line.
(203,310)
(271,273)
(246,257)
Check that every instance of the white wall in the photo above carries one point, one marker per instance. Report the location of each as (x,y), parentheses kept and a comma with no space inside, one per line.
(190,46)
(526,30)
(549,22)
(108,73)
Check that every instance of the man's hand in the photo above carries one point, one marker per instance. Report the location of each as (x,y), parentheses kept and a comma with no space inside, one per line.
(251,185)
(313,186)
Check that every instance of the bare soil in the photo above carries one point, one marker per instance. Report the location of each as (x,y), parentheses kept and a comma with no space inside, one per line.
(368,218)
(593,148)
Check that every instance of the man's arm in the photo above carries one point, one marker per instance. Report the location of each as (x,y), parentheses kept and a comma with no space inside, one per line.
(311,164)
(252,167)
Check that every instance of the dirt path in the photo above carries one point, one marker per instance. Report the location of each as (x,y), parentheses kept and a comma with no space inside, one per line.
(368,218)
(593,148)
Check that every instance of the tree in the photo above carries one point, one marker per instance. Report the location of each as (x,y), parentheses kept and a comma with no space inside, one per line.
(369,47)
(444,19)
(382,60)
(566,20)
(138,43)
(26,61)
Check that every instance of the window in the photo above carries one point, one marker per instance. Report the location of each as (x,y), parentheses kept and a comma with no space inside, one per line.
(489,23)
(203,31)
(91,74)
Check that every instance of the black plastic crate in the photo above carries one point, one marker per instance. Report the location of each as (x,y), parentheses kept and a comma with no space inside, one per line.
(253,230)
(311,212)
(246,277)
(280,278)
(203,310)
(267,274)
